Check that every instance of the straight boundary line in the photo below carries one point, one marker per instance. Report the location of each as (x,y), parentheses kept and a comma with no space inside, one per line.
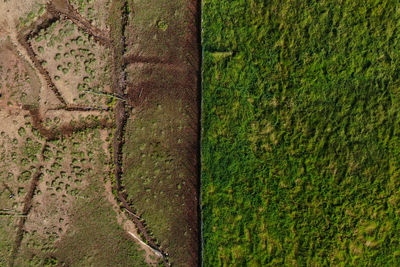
(200,129)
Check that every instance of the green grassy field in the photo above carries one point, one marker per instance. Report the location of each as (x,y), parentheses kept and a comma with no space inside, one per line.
(300,147)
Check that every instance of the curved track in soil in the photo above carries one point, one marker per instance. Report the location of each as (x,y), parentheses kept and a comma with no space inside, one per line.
(121,117)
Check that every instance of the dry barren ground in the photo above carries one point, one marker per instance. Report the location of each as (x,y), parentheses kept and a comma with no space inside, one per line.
(76,82)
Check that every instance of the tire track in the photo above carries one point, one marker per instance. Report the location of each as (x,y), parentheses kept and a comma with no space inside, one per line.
(81,108)
(27,207)
(65,130)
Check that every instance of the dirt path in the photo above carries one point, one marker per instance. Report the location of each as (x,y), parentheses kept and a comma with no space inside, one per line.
(64,130)
(27,207)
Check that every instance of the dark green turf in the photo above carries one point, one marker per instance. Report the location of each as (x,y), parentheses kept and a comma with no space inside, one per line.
(300,146)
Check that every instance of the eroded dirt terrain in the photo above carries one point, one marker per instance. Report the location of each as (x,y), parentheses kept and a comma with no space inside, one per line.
(76,82)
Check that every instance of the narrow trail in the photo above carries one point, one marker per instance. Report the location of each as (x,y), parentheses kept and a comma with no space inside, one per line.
(65,130)
(145,245)
(27,207)
(80,108)
(153,61)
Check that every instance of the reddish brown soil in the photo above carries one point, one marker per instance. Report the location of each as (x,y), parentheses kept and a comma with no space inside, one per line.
(65,129)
